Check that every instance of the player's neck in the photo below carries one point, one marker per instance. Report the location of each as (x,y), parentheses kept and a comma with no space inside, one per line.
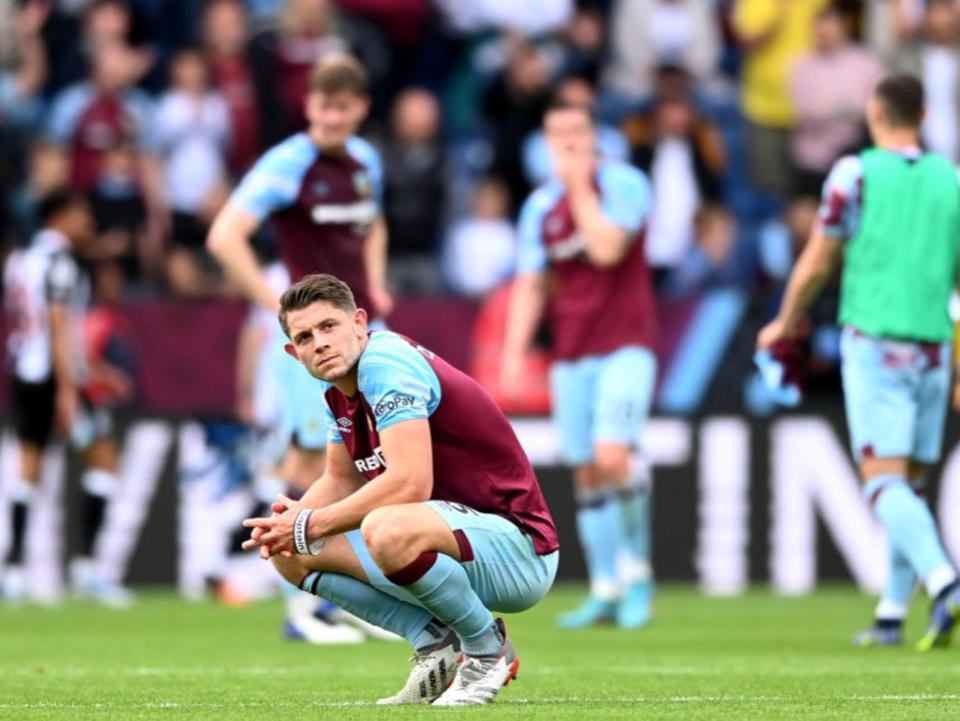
(898,139)
(324,147)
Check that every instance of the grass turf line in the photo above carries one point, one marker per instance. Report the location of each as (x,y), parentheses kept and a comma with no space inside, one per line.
(752,657)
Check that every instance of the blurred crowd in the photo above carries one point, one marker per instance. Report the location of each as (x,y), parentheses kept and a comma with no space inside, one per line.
(736,110)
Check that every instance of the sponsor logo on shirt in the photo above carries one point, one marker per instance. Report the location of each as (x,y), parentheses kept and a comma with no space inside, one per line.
(345,425)
(371,463)
(392,403)
(361,183)
(362,213)
(567,248)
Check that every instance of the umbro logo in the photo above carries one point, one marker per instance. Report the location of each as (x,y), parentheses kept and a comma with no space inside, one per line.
(345,424)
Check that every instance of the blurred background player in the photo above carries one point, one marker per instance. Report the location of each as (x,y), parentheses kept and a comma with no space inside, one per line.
(893,214)
(581,247)
(321,190)
(47,295)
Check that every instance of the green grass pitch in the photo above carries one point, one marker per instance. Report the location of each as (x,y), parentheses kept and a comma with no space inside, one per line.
(752,657)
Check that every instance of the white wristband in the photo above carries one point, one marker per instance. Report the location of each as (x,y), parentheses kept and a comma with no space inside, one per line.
(301,542)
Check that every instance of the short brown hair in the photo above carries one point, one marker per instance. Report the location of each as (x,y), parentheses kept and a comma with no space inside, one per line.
(315,288)
(339,73)
(902,99)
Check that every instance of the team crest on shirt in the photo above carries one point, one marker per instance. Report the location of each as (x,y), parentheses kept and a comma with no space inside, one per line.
(361,183)
(321,188)
(345,425)
(554,225)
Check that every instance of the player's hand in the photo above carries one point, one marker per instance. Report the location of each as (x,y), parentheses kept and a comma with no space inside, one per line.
(274,535)
(382,301)
(575,169)
(775,330)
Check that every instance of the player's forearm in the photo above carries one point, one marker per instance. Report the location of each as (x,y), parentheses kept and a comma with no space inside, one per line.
(527,301)
(232,250)
(605,242)
(387,489)
(805,284)
(375,254)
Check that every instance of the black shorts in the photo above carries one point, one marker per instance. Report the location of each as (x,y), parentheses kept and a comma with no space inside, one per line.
(34,407)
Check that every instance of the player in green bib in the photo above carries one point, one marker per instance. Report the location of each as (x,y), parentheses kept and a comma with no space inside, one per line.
(892,214)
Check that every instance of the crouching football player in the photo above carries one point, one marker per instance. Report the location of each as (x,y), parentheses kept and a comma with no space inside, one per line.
(428,515)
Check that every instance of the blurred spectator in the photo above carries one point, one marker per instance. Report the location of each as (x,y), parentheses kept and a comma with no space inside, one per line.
(224,35)
(773,34)
(480,250)
(712,261)
(584,40)
(684,157)
(192,131)
(47,171)
(81,27)
(120,211)
(650,33)
(306,32)
(537,164)
(103,116)
(19,103)
(934,56)
(829,88)
(514,106)
(415,180)
(529,17)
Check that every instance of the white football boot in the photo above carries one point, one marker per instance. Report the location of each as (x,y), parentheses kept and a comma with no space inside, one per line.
(480,678)
(432,672)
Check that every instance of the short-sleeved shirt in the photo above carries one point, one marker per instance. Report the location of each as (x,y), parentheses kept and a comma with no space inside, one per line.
(321,206)
(477,459)
(593,310)
(36,277)
(841,202)
(89,123)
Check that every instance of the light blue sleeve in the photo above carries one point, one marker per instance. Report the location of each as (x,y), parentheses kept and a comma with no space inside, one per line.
(624,195)
(369,156)
(65,112)
(143,109)
(531,248)
(840,202)
(397,381)
(333,430)
(274,181)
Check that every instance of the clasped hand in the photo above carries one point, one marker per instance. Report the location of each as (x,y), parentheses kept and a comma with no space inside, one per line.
(274,535)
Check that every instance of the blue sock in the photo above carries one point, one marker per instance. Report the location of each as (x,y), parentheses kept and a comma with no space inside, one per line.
(441,585)
(899,587)
(634,502)
(600,525)
(911,529)
(381,609)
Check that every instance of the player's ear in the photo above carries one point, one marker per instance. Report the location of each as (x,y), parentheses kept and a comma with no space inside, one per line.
(291,350)
(361,319)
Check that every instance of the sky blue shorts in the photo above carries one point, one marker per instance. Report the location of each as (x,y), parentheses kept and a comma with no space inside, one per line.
(602,399)
(896,395)
(302,404)
(506,572)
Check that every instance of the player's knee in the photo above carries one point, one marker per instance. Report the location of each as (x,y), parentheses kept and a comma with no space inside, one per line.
(291,569)
(386,534)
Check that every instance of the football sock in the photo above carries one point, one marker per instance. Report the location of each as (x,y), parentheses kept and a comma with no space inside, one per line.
(98,486)
(899,587)
(21,497)
(364,601)
(600,525)
(634,502)
(911,529)
(441,585)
